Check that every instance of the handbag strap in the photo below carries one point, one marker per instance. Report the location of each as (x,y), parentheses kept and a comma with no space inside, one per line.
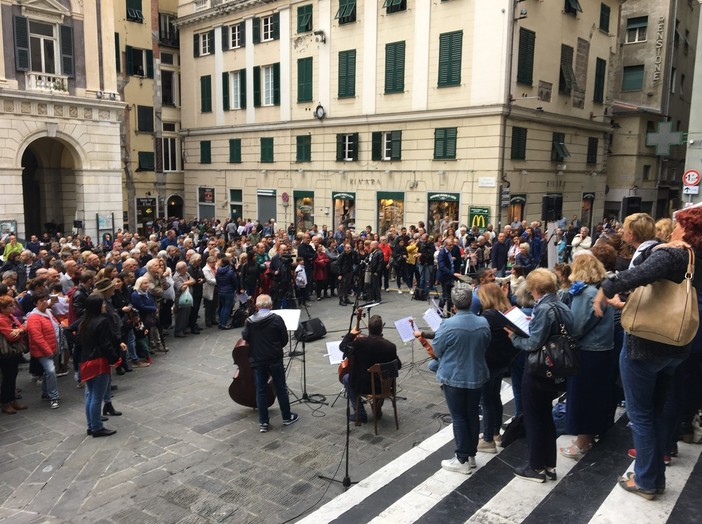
(559,319)
(690,264)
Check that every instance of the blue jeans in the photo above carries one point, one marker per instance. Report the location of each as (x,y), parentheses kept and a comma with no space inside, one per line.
(94,393)
(647,385)
(463,405)
(491,403)
(49,385)
(226,302)
(277,373)
(131,345)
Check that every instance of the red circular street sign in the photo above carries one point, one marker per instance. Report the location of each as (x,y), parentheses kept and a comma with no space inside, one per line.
(691,177)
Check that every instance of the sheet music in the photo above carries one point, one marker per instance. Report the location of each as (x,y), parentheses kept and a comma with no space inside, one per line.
(518,320)
(404,329)
(432,318)
(334,353)
(291,317)
(243,298)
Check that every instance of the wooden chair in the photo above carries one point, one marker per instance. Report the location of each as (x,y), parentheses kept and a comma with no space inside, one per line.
(383,379)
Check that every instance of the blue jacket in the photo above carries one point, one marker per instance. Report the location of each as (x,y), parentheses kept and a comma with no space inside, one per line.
(227,280)
(460,345)
(445,271)
(143,302)
(544,323)
(594,333)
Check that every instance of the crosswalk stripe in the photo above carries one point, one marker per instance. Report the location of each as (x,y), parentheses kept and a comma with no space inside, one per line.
(621,506)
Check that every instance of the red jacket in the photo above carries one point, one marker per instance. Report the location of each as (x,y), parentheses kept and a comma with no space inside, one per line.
(42,337)
(320,267)
(387,251)
(6,327)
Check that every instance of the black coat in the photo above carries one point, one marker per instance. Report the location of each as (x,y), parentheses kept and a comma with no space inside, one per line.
(266,335)
(363,353)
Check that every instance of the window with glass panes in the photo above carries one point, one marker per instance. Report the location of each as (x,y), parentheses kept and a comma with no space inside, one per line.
(304,18)
(636,29)
(267,74)
(347,147)
(169,149)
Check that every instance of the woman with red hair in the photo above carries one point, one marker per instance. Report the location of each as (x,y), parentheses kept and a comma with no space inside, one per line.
(647,368)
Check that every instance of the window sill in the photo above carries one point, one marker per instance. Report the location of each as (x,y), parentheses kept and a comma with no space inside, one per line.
(442,86)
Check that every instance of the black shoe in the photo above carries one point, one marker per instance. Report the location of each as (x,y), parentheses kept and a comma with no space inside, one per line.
(527,473)
(114,387)
(104,419)
(120,371)
(342,303)
(363,417)
(109,409)
(104,432)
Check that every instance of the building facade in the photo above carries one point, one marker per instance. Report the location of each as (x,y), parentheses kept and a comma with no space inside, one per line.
(651,105)
(147,62)
(390,113)
(59,118)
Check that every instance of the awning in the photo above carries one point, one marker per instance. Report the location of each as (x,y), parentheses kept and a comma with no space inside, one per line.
(444,197)
(265,192)
(574,4)
(303,194)
(394,195)
(343,196)
(518,199)
(561,149)
(588,196)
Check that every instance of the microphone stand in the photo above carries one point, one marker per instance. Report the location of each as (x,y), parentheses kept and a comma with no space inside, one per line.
(346,482)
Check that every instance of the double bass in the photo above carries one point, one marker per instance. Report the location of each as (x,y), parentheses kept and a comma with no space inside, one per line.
(243,387)
(345,366)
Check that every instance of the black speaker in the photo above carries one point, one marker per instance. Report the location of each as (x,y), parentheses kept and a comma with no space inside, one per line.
(309,330)
(551,207)
(630,205)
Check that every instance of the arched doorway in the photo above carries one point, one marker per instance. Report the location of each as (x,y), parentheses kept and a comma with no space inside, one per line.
(48,187)
(174,207)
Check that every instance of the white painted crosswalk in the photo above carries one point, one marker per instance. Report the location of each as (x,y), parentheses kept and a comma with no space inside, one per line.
(414,488)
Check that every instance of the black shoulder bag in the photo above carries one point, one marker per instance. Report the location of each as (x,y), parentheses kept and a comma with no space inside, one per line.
(557,358)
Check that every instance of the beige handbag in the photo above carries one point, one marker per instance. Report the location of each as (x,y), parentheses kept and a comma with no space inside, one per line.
(664,311)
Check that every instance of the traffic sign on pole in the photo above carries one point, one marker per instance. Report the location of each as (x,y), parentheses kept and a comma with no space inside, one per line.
(691,177)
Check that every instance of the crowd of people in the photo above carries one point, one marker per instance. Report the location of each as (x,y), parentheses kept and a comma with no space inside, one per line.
(88,309)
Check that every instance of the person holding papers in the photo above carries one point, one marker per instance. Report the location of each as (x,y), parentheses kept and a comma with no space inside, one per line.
(538,393)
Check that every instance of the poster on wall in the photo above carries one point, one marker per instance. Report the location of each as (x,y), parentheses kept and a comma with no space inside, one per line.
(442,212)
(206,195)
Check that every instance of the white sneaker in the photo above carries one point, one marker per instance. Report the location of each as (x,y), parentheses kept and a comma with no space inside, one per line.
(399,292)
(456,466)
(471,463)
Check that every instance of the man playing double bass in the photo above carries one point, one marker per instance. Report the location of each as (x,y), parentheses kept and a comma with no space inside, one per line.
(266,334)
(363,352)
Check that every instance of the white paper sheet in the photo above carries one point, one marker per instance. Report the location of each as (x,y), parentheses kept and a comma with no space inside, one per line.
(290,316)
(404,329)
(432,318)
(518,319)
(334,353)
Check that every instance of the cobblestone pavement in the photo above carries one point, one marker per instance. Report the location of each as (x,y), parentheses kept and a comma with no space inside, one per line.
(184,452)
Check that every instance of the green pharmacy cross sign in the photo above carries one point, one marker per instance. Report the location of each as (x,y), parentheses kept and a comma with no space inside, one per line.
(664,138)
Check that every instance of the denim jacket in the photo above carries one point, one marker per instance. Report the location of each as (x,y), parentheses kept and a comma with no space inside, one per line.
(460,345)
(594,333)
(544,323)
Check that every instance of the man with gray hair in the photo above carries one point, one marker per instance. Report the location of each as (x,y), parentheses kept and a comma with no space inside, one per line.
(460,345)
(267,335)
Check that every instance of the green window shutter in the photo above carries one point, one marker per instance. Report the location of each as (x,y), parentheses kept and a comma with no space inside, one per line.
(67,50)
(395,67)
(205,152)
(206,94)
(559,151)
(396,145)
(242,88)
(146,161)
(256,30)
(605,12)
(257,86)
(267,149)
(225,91)
(276,26)
(145,119)
(354,146)
(276,84)
(525,60)
(21,44)
(235,150)
(149,63)
(445,143)
(304,79)
(304,148)
(519,141)
(118,62)
(304,18)
(450,56)
(451,138)
(225,38)
(242,34)
(339,147)
(377,145)
(567,81)
(129,58)
(592,145)
(633,78)
(600,75)
(196,45)
(347,73)
(439,143)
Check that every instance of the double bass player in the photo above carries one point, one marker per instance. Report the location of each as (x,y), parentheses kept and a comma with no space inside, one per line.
(266,334)
(366,351)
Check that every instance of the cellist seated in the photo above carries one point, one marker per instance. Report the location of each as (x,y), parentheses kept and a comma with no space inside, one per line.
(362,353)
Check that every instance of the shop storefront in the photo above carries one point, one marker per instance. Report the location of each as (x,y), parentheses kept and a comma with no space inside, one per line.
(303,202)
(146,212)
(391,210)
(442,212)
(344,210)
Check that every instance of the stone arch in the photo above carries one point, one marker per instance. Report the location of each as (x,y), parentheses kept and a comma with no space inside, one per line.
(79,158)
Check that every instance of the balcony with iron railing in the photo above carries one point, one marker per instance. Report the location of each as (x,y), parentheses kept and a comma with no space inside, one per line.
(46,83)
(169,38)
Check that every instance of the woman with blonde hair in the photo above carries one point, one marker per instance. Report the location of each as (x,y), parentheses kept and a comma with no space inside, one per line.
(590,392)
(498,357)
(664,228)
